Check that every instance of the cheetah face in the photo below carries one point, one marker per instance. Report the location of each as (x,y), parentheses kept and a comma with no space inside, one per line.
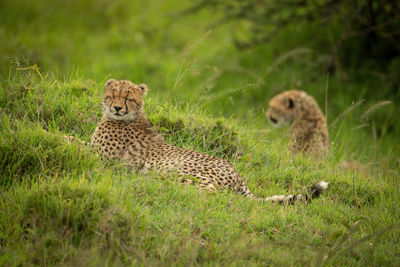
(123,100)
(282,109)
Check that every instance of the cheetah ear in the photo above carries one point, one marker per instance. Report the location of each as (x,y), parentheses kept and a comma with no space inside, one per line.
(109,82)
(143,88)
(290,103)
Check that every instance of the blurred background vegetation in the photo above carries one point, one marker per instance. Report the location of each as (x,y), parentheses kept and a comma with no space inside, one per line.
(227,57)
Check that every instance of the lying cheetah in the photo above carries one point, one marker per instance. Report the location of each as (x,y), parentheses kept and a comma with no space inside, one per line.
(309,132)
(125,134)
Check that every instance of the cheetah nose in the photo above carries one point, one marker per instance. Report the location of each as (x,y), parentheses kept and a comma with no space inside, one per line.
(117,108)
(273,120)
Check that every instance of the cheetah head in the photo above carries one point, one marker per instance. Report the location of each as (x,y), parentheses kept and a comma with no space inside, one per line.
(284,108)
(123,100)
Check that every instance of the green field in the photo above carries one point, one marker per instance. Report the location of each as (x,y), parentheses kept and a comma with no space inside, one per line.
(61,204)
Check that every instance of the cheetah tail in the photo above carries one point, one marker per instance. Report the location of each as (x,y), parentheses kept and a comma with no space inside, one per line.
(314,192)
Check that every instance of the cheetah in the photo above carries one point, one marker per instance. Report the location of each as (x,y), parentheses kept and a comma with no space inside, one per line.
(125,134)
(309,132)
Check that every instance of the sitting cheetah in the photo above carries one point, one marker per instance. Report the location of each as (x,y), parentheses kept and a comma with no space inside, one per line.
(309,132)
(125,134)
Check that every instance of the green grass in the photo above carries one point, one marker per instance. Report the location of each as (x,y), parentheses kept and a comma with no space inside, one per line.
(61,204)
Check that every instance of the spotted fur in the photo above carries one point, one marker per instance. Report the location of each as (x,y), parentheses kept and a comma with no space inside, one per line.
(125,134)
(309,132)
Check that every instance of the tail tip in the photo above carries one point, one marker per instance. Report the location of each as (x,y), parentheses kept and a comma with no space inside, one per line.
(322,185)
(318,188)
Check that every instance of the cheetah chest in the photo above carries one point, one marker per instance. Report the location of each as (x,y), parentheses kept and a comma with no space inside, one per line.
(121,140)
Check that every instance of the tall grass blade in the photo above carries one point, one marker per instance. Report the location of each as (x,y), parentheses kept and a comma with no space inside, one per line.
(372,109)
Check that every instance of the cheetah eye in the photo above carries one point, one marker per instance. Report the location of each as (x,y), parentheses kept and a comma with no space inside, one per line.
(132,102)
(108,97)
(291,103)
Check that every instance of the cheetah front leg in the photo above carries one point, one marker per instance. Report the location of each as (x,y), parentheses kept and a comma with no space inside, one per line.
(70,139)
